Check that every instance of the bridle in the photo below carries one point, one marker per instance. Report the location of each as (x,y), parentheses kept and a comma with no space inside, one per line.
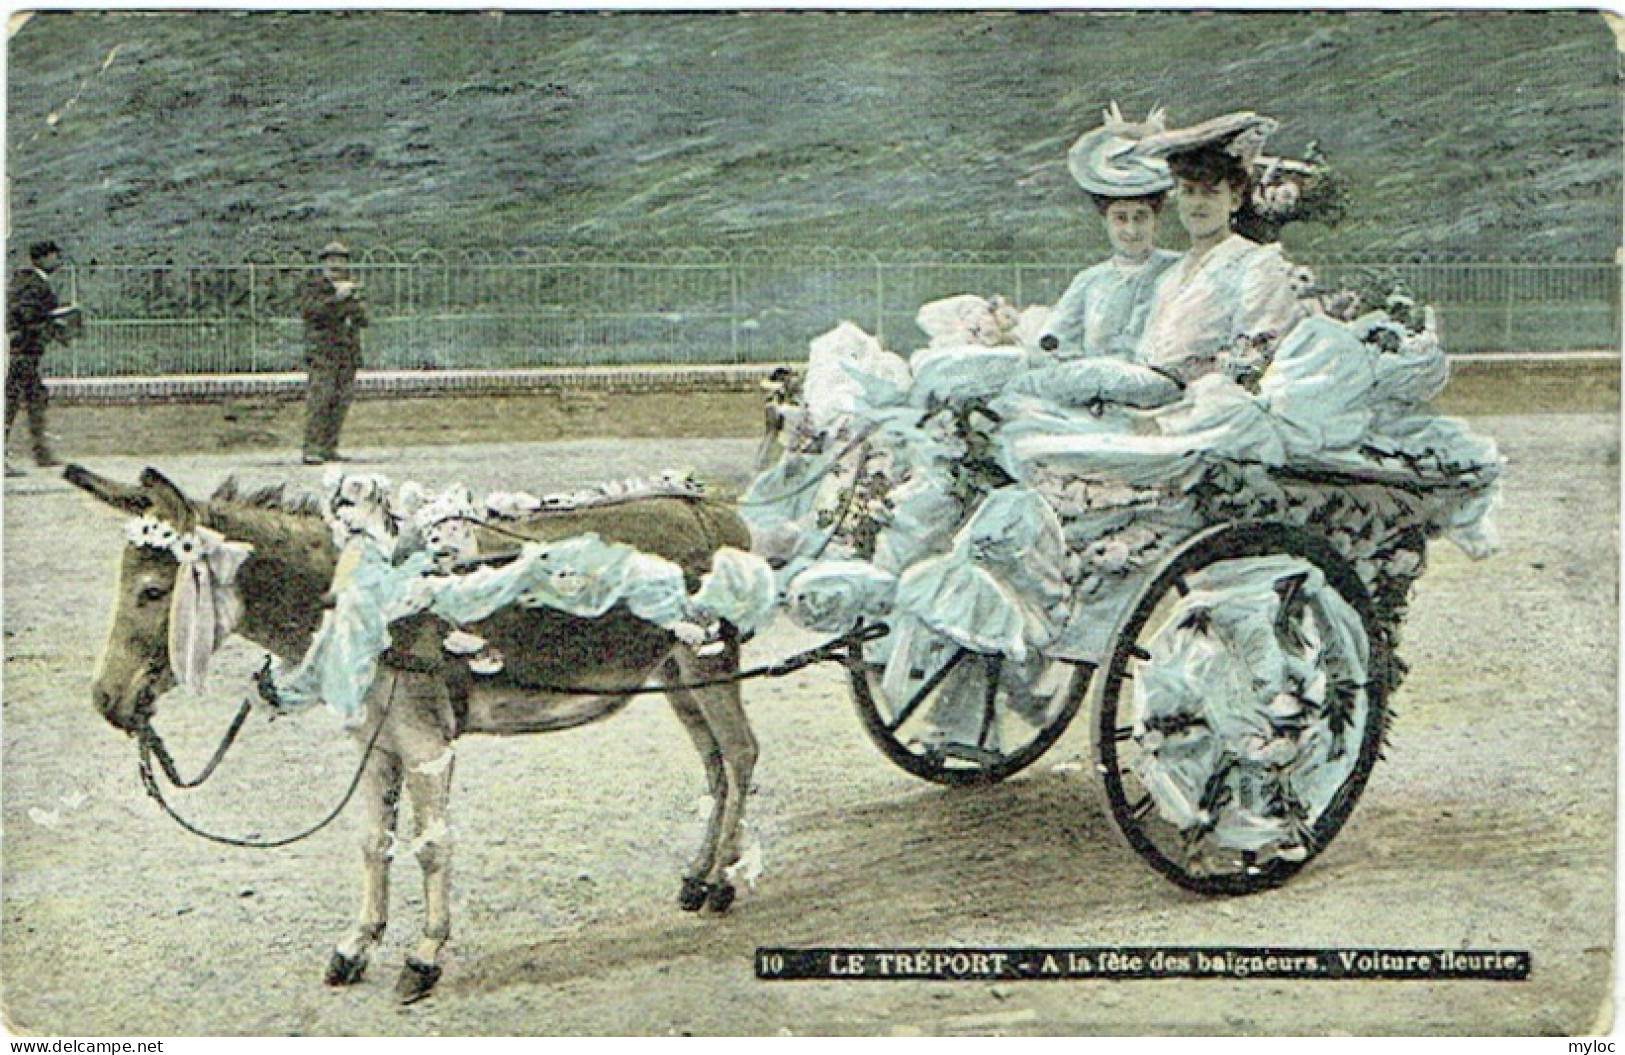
(152,746)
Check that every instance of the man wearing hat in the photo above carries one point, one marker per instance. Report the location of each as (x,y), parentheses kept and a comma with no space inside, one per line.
(1103,311)
(331,305)
(34,320)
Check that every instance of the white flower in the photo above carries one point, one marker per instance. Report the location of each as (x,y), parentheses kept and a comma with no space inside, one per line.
(135,530)
(151,533)
(187,547)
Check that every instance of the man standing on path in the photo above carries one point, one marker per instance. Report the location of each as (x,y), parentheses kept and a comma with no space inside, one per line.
(331,305)
(34,319)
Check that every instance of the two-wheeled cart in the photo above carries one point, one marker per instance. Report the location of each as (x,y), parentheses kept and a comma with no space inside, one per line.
(1192,777)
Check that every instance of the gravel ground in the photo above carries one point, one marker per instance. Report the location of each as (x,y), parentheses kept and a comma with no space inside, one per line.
(1490,825)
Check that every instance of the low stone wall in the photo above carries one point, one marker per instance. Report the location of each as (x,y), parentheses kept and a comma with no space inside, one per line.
(396,384)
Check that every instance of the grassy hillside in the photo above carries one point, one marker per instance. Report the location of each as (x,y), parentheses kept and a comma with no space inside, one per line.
(219,134)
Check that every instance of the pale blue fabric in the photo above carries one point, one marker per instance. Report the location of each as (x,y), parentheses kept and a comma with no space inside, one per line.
(778,507)
(1081,382)
(585,576)
(962,373)
(740,587)
(924,514)
(369,592)
(582,575)
(1103,312)
(832,596)
(995,590)
(1257,695)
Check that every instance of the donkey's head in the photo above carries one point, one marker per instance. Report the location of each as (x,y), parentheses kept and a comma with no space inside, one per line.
(134,669)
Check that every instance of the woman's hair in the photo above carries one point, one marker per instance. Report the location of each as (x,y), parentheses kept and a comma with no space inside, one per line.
(1102,202)
(1210,164)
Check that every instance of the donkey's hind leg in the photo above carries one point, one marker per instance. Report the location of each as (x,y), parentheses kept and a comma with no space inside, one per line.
(380,794)
(695,889)
(724,714)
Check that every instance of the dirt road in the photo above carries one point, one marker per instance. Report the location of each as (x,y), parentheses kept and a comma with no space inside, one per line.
(1490,825)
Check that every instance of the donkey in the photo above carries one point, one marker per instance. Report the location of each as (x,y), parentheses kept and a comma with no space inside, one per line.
(426,699)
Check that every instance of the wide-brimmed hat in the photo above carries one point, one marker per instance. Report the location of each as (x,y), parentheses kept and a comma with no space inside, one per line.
(1105,162)
(1241,135)
(334,249)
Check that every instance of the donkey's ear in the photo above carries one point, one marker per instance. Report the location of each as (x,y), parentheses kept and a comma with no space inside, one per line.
(168,501)
(123,497)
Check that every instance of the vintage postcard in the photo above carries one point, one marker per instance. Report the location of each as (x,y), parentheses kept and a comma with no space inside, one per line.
(1010,522)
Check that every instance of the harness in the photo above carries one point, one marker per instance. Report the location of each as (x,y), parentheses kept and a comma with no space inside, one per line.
(151,533)
(841,649)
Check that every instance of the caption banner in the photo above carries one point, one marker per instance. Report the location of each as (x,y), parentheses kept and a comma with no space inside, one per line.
(1131,962)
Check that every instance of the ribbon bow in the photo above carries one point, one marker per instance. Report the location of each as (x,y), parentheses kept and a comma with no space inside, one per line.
(206,606)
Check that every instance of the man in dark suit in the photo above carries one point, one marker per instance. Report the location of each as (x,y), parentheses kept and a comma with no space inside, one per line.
(334,315)
(34,320)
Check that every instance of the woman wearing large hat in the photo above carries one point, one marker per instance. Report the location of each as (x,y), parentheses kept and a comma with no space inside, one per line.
(1229,300)
(1103,312)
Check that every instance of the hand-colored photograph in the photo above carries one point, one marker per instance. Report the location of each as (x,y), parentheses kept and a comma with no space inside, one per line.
(1014,523)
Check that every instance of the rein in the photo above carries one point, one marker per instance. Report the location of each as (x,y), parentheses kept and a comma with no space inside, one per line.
(152,744)
(150,740)
(837,650)
(807,485)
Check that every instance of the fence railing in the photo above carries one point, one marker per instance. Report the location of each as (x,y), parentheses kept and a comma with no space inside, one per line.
(433,311)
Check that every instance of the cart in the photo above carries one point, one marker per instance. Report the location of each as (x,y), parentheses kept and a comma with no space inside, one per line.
(1339,549)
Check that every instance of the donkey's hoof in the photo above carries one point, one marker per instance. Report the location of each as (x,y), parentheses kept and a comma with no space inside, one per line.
(417,980)
(343,970)
(721,897)
(694,894)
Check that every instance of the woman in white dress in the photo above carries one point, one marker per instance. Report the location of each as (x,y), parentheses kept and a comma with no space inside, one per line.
(1226,304)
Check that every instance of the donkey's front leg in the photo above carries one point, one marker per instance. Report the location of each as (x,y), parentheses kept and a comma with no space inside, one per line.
(425,736)
(380,793)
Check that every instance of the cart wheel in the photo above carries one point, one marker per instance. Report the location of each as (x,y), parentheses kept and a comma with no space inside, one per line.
(1015,714)
(1190,798)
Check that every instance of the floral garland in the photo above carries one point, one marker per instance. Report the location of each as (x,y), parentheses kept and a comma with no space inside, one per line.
(860,512)
(149,532)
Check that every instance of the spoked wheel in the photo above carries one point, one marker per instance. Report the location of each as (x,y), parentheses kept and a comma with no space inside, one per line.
(966,717)
(1243,708)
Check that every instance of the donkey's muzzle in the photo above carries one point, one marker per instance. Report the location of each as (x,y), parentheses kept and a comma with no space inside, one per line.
(130,718)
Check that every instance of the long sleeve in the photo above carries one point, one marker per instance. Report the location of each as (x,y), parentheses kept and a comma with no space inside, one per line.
(1267,305)
(29,322)
(1068,324)
(330,321)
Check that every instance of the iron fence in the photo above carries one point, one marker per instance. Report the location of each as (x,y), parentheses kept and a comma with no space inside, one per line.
(432,310)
